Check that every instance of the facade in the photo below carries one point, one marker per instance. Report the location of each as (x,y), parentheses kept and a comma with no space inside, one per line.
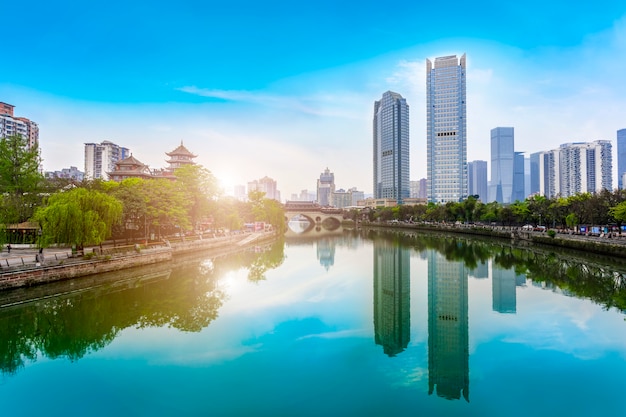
(267,186)
(549,182)
(343,199)
(502,162)
(325,188)
(446,129)
(477,179)
(621,157)
(101,159)
(11,125)
(391,147)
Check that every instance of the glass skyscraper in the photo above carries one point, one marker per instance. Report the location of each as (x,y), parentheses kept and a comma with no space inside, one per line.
(502,161)
(391,147)
(446,131)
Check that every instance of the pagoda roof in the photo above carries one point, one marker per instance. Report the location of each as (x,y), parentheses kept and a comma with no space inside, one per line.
(181,150)
(131,160)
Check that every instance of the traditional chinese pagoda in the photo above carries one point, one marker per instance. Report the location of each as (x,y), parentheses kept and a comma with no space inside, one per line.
(180,157)
(129,167)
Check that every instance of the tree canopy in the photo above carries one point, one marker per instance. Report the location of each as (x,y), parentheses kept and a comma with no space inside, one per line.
(78,217)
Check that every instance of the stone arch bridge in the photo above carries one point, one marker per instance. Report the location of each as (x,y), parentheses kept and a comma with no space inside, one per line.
(319,218)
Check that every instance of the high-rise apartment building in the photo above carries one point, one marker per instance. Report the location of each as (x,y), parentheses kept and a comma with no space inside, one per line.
(519,178)
(101,159)
(11,125)
(573,168)
(391,147)
(477,179)
(446,129)
(621,158)
(325,188)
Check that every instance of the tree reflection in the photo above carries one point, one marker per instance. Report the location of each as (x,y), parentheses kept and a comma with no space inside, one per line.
(186,297)
(600,279)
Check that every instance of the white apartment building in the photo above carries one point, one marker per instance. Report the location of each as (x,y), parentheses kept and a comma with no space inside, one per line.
(101,158)
(573,168)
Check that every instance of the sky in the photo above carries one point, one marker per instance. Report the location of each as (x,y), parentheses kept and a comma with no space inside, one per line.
(286,89)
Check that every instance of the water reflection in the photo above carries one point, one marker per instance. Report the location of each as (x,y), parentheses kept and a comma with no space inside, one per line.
(184,295)
(392,318)
(448,339)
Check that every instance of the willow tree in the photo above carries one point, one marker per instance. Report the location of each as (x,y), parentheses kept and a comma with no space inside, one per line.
(78,217)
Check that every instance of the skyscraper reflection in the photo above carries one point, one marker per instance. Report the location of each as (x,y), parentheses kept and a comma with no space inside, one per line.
(392,318)
(326,252)
(448,341)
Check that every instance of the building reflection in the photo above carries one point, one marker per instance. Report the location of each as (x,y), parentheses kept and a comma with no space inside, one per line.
(448,340)
(503,289)
(392,319)
(326,252)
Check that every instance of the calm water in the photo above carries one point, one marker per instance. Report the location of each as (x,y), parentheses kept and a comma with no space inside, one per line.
(368,324)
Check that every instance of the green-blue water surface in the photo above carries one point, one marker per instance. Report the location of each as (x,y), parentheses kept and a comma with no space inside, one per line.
(355,324)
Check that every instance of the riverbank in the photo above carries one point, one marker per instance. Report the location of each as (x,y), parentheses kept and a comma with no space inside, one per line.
(26,267)
(611,246)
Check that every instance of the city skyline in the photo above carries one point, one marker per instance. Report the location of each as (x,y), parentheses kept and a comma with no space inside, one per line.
(251,102)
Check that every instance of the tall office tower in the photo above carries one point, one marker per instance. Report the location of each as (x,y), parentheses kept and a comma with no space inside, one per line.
(534,173)
(477,179)
(265,185)
(101,158)
(391,147)
(585,167)
(502,159)
(392,316)
(621,157)
(325,188)
(446,129)
(518,178)
(448,333)
(11,125)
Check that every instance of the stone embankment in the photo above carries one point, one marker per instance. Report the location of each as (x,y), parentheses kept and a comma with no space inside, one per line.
(611,244)
(27,267)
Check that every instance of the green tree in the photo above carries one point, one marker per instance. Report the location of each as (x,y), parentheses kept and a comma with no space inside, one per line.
(200,188)
(78,217)
(20,180)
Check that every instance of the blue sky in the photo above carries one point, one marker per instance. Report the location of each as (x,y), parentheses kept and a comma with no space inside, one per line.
(286,89)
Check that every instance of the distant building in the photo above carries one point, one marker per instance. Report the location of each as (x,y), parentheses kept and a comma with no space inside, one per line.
(519,178)
(68,173)
(446,129)
(101,159)
(534,173)
(343,199)
(325,188)
(502,160)
(265,185)
(621,157)
(391,147)
(418,188)
(240,192)
(477,179)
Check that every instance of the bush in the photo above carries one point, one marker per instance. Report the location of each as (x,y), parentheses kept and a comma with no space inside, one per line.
(551,233)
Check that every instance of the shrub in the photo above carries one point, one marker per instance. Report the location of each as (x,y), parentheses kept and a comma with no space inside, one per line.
(551,233)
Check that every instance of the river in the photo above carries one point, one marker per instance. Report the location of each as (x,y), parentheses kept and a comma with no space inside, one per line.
(345,323)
